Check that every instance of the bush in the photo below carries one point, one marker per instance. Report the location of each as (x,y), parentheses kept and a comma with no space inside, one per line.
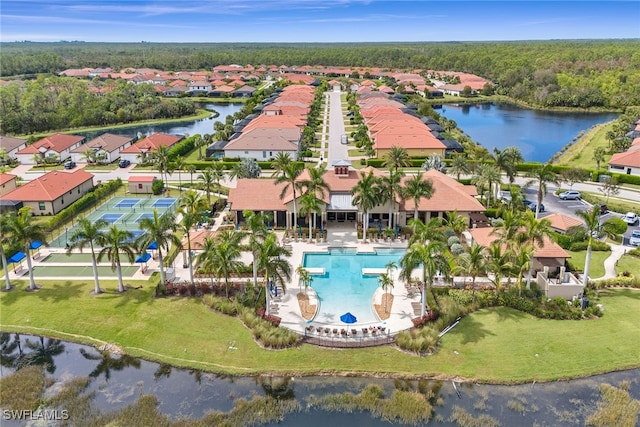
(457,249)
(596,245)
(627,281)
(453,240)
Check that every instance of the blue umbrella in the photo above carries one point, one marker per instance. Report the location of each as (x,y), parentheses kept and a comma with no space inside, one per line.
(153,245)
(17,257)
(144,257)
(348,318)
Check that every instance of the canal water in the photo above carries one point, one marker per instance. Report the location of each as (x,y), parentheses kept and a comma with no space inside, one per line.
(118,381)
(538,134)
(188,127)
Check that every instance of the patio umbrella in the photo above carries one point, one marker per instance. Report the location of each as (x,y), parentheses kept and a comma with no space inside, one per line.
(143,257)
(348,318)
(35,245)
(17,257)
(153,245)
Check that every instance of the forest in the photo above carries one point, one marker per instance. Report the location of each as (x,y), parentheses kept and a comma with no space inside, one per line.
(602,74)
(51,102)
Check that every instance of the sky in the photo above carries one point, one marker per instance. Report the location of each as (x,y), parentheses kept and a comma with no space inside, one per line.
(315,20)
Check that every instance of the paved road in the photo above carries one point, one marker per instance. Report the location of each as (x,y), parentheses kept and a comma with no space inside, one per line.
(337,150)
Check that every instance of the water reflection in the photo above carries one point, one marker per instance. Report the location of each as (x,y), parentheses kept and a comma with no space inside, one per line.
(117,382)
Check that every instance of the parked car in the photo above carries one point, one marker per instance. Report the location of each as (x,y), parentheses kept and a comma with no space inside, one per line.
(344,139)
(533,206)
(124,163)
(570,195)
(526,203)
(634,240)
(70,165)
(630,218)
(603,208)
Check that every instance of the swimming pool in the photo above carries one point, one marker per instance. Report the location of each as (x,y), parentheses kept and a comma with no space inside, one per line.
(343,287)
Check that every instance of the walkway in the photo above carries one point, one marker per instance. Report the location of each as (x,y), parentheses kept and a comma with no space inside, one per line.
(337,150)
(610,263)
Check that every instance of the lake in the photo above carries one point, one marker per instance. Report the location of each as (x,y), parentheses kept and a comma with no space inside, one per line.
(118,381)
(190,127)
(538,134)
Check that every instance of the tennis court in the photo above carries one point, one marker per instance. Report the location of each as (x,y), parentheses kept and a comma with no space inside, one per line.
(79,271)
(111,218)
(123,212)
(127,203)
(164,203)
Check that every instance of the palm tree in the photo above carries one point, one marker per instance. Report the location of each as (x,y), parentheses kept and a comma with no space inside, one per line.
(385,281)
(457,223)
(498,263)
(200,142)
(415,188)
(433,260)
(257,225)
(160,158)
(522,261)
(217,169)
(508,229)
(532,234)
(117,243)
(390,187)
(396,157)
(289,175)
(422,232)
(24,232)
(591,220)
(366,197)
(190,168)
(280,163)
(221,255)
(304,277)
(310,204)
(89,233)
(178,164)
(208,178)
(159,229)
(272,259)
(542,176)
(5,239)
(315,183)
(459,165)
(507,160)
(472,263)
(487,174)
(599,155)
(191,206)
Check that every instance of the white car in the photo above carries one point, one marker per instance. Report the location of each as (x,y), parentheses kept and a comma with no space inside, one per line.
(630,218)
(634,240)
(570,195)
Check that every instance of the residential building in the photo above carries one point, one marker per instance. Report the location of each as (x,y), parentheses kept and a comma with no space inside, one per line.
(106,147)
(8,182)
(137,152)
(12,145)
(52,192)
(57,146)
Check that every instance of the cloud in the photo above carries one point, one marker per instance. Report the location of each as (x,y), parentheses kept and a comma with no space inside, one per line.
(66,20)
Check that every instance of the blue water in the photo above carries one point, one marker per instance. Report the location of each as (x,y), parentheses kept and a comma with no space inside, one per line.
(343,287)
(538,134)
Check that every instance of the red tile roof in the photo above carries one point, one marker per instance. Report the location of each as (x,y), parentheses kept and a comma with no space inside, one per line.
(49,186)
(448,195)
(562,222)
(256,193)
(152,142)
(141,178)
(6,177)
(485,236)
(57,142)
(628,158)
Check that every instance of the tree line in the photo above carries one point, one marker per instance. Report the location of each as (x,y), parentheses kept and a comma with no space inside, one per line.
(50,102)
(575,73)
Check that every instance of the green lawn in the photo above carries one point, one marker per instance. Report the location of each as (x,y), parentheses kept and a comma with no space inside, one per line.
(580,154)
(493,345)
(596,269)
(629,263)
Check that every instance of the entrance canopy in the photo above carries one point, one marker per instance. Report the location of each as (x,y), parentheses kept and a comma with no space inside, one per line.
(341,202)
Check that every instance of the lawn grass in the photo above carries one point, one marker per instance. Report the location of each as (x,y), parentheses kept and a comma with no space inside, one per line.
(580,154)
(596,268)
(629,263)
(491,345)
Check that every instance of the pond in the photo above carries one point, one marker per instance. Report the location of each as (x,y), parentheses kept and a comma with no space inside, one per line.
(190,127)
(539,134)
(118,382)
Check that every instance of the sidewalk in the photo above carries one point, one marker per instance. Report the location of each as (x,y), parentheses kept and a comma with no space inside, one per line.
(610,263)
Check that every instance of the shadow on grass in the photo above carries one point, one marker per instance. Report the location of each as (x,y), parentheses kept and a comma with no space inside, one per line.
(49,293)
(506,313)
(471,330)
(131,296)
(616,292)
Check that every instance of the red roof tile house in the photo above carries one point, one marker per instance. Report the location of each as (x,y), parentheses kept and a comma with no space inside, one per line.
(53,191)
(105,147)
(338,207)
(57,146)
(8,182)
(138,152)
(627,162)
(12,145)
(264,143)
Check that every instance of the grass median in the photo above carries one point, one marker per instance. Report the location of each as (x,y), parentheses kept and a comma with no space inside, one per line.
(492,345)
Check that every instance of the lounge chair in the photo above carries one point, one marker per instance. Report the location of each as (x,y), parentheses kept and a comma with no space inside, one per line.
(335,331)
(354,332)
(319,330)
(327,331)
